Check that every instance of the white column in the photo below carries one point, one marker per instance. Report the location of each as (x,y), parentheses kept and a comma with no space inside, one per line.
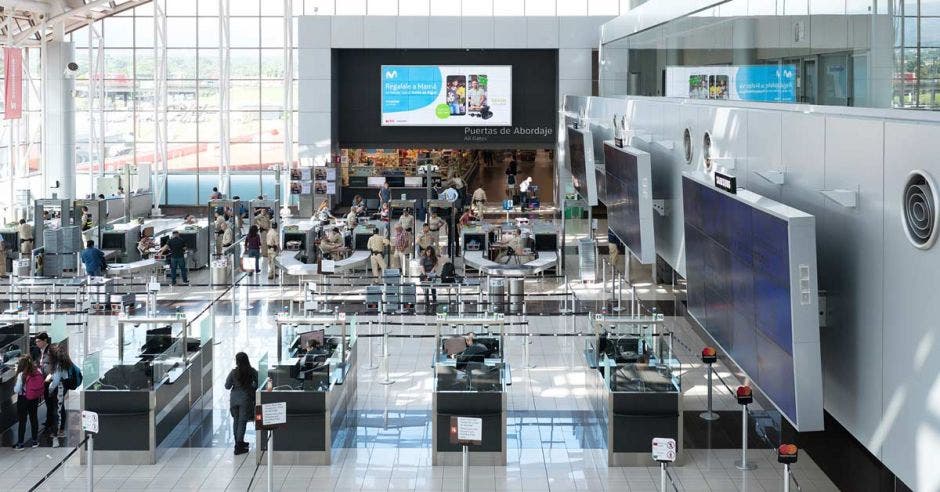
(58,143)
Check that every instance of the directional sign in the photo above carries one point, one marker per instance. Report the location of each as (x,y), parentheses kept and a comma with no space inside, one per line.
(664,449)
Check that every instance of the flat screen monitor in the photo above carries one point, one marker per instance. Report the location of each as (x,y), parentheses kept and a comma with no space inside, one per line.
(751,271)
(376,181)
(581,157)
(395,181)
(414,182)
(305,338)
(446,95)
(359,181)
(630,200)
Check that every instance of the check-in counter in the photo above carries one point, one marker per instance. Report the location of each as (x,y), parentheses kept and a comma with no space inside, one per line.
(471,377)
(14,341)
(635,390)
(319,388)
(148,400)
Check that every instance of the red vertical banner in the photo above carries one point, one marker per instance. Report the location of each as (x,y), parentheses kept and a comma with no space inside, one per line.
(13,83)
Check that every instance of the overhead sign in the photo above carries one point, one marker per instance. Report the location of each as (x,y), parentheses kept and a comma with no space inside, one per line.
(446,95)
(467,431)
(726,182)
(664,449)
(89,421)
(760,83)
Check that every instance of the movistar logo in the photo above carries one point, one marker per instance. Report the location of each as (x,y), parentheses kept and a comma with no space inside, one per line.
(391,74)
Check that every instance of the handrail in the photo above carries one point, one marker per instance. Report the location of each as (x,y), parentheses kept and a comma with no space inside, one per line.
(58,465)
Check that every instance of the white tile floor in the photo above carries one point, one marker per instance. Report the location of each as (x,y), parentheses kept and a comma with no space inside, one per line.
(391,450)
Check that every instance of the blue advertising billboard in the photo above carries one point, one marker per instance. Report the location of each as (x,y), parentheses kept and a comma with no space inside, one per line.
(758,83)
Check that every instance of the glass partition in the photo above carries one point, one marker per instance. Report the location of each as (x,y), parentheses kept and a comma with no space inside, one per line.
(168,365)
(91,369)
(207,329)
(58,330)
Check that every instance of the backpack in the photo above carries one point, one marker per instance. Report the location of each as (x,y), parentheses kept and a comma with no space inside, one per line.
(34,386)
(74,379)
(448,273)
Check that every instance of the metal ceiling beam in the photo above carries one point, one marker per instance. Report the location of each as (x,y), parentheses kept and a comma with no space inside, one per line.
(27,5)
(83,11)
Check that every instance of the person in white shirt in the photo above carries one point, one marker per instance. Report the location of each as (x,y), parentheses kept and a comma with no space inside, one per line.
(476,96)
(273,241)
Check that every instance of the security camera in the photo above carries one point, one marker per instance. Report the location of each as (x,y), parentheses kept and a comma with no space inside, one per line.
(71,70)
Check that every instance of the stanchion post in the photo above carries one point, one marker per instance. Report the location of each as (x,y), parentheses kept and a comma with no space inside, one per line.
(787,454)
(662,476)
(91,461)
(234,259)
(709,357)
(385,357)
(745,397)
(564,298)
(371,365)
(466,469)
(619,307)
(271,461)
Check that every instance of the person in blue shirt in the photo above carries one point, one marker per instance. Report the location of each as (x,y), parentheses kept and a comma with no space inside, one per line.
(93,259)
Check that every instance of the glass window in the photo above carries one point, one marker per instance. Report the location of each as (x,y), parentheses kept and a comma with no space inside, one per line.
(319,7)
(181,64)
(119,32)
(246,7)
(351,7)
(245,95)
(603,7)
(383,7)
(416,7)
(273,7)
(143,31)
(245,64)
(181,32)
(209,64)
(272,64)
(244,32)
(181,7)
(119,64)
(445,7)
(272,32)
(572,7)
(540,7)
(478,7)
(929,32)
(208,32)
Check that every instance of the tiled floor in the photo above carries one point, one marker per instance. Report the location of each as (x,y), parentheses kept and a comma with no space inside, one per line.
(550,442)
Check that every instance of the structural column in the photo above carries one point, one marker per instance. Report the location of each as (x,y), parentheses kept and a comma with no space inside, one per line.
(58,146)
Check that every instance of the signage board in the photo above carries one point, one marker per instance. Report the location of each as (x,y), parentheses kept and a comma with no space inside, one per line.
(446,95)
(760,83)
(466,431)
(664,449)
(726,182)
(274,413)
(89,421)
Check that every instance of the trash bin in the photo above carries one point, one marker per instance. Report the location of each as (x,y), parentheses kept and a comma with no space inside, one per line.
(497,293)
(221,272)
(516,294)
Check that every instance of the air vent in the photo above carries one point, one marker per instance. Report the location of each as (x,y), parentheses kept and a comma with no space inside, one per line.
(707,151)
(920,209)
(687,145)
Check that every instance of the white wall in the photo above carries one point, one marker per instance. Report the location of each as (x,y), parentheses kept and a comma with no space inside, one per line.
(881,370)
(573,37)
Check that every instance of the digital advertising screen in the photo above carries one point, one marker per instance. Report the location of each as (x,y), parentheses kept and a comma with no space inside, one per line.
(629,200)
(446,95)
(739,289)
(760,83)
(581,158)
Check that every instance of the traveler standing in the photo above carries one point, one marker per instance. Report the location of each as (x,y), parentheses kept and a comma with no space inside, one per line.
(28,388)
(243,382)
(176,248)
(65,376)
(253,246)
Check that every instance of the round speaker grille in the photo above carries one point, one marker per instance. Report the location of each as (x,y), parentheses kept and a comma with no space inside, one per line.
(920,210)
(707,151)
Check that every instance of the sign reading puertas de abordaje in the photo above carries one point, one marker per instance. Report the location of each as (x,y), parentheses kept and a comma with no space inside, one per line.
(759,83)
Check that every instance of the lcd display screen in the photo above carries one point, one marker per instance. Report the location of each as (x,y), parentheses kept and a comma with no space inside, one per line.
(738,276)
(576,157)
(629,204)
(446,95)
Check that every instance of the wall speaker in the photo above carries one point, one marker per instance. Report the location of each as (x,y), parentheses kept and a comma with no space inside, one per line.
(920,209)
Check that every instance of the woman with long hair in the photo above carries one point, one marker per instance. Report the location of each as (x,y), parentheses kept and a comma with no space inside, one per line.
(253,246)
(29,388)
(428,266)
(61,378)
(243,382)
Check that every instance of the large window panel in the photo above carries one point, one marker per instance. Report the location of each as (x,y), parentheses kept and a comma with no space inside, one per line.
(603,7)
(572,7)
(246,156)
(118,63)
(245,64)
(272,32)
(272,64)
(209,126)
(319,7)
(382,7)
(445,7)
(143,32)
(208,32)
(181,64)
(540,7)
(119,94)
(181,189)
(183,7)
(208,63)
(245,95)
(181,32)
(246,7)
(119,32)
(351,7)
(273,8)
(244,32)
(417,7)
(209,95)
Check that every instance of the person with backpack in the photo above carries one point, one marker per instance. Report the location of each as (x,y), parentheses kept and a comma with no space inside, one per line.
(243,382)
(29,388)
(65,376)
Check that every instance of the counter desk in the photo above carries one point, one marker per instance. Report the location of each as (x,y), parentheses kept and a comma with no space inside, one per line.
(150,400)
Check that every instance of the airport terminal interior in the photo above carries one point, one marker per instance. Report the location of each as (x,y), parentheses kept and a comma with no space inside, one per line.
(455,245)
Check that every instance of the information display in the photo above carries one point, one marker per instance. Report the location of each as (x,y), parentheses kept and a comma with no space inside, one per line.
(738,266)
(629,200)
(446,95)
(581,157)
